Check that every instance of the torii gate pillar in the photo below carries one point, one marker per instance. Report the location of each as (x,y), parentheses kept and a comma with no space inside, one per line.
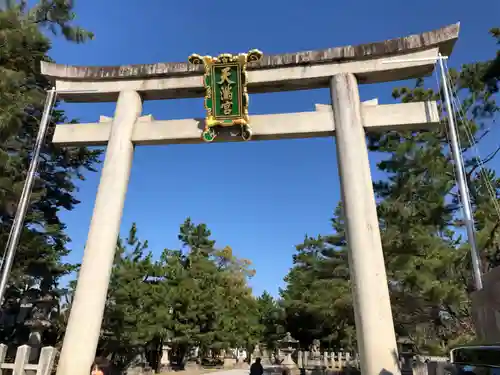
(372,306)
(84,324)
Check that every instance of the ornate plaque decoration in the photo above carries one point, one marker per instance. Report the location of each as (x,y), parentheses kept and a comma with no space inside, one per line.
(226,97)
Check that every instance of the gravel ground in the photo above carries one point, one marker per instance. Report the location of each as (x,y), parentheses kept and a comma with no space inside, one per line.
(211,372)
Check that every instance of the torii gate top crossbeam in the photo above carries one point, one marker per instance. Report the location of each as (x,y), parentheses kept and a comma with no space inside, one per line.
(390,60)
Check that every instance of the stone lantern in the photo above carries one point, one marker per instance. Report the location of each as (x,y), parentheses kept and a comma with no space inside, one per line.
(36,310)
(287,346)
(165,359)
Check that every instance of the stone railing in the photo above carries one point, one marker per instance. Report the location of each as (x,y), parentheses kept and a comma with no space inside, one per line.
(429,365)
(328,360)
(21,363)
(335,362)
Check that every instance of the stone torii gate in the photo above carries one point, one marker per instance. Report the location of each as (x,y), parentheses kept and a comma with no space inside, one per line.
(341,69)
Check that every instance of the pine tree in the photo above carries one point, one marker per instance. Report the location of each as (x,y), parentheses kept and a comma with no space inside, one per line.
(212,305)
(22,93)
(271,320)
(317,297)
(195,296)
(133,309)
(492,76)
(427,258)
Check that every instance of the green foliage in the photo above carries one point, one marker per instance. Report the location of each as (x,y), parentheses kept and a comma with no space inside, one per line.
(131,308)
(22,94)
(271,317)
(209,291)
(317,299)
(57,15)
(426,256)
(492,76)
(195,296)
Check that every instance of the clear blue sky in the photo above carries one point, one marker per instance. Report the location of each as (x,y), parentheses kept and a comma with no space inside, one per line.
(263,196)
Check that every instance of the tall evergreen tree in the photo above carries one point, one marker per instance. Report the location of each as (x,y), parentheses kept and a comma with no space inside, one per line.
(211,302)
(195,296)
(317,298)
(492,76)
(427,259)
(133,316)
(271,317)
(23,46)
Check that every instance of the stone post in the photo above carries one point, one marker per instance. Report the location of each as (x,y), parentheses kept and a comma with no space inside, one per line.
(165,360)
(374,323)
(82,332)
(35,343)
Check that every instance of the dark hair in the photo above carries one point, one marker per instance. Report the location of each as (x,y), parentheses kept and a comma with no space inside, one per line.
(102,364)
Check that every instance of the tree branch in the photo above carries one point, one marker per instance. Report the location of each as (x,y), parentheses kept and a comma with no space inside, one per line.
(490,157)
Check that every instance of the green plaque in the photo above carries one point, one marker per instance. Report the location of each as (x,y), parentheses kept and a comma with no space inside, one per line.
(226,97)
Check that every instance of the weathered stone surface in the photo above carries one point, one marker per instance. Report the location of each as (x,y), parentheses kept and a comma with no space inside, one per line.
(443,38)
(414,116)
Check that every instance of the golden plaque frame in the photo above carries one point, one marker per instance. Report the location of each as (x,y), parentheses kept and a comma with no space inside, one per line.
(226,95)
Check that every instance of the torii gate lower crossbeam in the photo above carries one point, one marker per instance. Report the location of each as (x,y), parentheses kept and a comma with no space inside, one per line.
(348,120)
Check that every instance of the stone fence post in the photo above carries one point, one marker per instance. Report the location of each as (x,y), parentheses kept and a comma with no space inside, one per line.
(21,366)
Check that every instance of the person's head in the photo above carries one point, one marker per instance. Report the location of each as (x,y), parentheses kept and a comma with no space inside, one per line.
(101,366)
(257,360)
